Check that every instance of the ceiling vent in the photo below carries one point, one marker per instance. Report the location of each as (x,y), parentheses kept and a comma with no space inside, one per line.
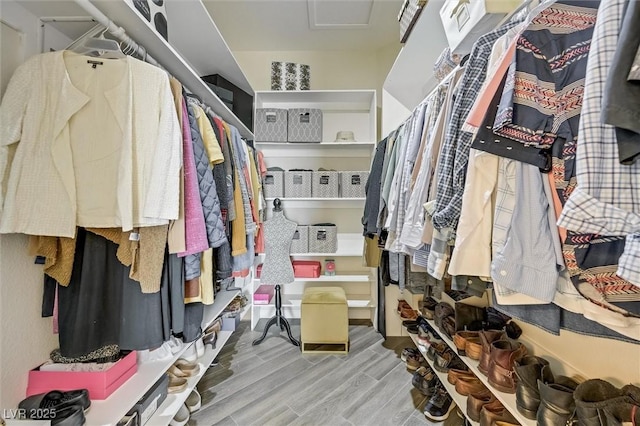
(336,15)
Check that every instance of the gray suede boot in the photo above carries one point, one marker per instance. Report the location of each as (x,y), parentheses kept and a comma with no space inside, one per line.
(599,403)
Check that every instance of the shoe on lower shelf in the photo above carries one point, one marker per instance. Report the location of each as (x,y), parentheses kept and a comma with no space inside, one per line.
(181,418)
(425,380)
(176,384)
(414,361)
(193,401)
(408,351)
(440,405)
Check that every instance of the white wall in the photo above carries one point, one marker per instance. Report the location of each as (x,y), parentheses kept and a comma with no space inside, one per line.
(329,69)
(26,339)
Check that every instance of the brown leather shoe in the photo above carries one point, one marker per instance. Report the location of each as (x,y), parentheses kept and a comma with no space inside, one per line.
(467,385)
(473,349)
(504,355)
(436,348)
(454,374)
(475,402)
(460,340)
(486,338)
(503,423)
(490,415)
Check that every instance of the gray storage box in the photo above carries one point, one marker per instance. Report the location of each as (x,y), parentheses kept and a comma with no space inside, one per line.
(304,125)
(273,184)
(270,125)
(325,184)
(323,239)
(297,184)
(300,242)
(352,184)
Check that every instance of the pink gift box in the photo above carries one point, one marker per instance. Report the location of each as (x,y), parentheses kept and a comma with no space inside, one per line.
(100,384)
(263,294)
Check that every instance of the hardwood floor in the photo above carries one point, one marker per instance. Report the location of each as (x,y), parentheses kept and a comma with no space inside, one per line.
(275,384)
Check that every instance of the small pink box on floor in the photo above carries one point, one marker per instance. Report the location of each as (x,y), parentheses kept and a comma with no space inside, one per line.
(100,384)
(263,294)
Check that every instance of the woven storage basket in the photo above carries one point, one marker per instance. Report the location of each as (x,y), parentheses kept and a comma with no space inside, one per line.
(352,184)
(300,242)
(323,239)
(273,184)
(325,184)
(297,184)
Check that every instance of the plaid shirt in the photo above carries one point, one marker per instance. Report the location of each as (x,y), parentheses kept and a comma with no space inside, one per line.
(607,198)
(455,150)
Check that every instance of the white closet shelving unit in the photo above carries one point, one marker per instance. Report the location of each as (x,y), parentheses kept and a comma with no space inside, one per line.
(342,110)
(187,55)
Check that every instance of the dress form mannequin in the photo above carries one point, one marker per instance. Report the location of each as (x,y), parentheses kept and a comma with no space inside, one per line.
(277,268)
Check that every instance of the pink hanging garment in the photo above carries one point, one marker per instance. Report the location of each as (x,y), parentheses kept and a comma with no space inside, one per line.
(195,229)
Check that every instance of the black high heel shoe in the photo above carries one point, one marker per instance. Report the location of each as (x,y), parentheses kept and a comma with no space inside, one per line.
(210,339)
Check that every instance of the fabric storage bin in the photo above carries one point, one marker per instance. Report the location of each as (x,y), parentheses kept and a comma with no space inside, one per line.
(300,242)
(465,21)
(352,184)
(325,184)
(304,125)
(271,125)
(323,238)
(297,184)
(273,184)
(409,13)
(306,268)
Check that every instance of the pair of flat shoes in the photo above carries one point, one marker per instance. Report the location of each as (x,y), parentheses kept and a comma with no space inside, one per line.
(61,408)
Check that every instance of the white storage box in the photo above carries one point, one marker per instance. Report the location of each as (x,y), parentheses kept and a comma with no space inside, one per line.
(325,184)
(271,125)
(297,184)
(465,21)
(353,184)
(273,184)
(304,125)
(300,242)
(323,238)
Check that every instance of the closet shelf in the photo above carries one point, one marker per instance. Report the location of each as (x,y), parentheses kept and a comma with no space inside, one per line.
(349,245)
(108,412)
(507,399)
(327,149)
(328,144)
(173,402)
(327,100)
(460,400)
(295,300)
(342,278)
(323,203)
(191,14)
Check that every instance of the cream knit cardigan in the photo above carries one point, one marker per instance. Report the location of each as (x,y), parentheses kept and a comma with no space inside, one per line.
(60,122)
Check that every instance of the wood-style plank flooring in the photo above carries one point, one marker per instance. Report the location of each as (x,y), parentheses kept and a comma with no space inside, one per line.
(275,384)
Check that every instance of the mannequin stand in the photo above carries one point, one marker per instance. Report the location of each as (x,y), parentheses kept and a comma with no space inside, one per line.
(279,320)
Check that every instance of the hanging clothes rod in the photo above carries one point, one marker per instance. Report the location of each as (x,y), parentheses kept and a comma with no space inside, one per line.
(117,31)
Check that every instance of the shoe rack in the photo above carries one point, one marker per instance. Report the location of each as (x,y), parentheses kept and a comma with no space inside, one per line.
(508,400)
(108,412)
